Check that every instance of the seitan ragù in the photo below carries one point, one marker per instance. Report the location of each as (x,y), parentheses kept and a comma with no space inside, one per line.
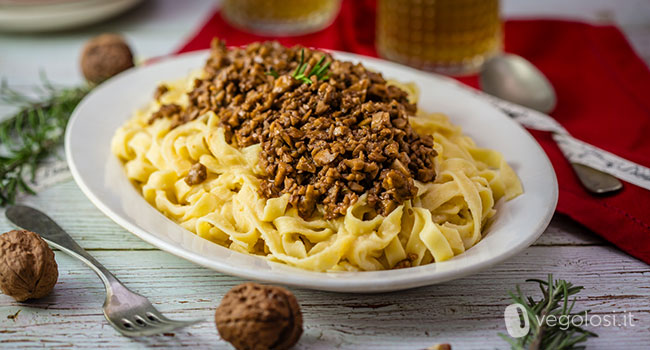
(328,141)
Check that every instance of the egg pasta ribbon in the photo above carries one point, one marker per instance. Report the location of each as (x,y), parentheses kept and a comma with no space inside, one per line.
(446,217)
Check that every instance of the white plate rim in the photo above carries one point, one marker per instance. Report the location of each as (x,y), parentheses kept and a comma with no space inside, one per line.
(59,15)
(320,281)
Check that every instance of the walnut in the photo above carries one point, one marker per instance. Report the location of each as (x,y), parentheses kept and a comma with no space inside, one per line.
(104,56)
(27,266)
(252,316)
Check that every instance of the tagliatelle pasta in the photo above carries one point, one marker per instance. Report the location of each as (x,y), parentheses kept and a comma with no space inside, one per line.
(445,218)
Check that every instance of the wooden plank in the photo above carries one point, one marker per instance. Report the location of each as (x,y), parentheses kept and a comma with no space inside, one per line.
(564,231)
(466,313)
(68,206)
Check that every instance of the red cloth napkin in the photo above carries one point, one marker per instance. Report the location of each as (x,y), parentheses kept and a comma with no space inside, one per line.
(603,99)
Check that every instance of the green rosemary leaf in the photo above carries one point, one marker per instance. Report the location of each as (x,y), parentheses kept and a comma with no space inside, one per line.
(304,79)
(300,64)
(322,70)
(555,301)
(4,136)
(318,70)
(272,72)
(33,133)
(303,65)
(317,67)
(514,345)
(25,187)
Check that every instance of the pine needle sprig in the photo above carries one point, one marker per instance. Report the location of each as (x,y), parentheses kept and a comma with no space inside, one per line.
(555,302)
(31,134)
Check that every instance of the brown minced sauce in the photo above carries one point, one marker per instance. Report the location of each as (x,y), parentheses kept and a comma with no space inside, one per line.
(323,143)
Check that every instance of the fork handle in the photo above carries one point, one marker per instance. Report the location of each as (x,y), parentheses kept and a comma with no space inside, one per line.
(34,220)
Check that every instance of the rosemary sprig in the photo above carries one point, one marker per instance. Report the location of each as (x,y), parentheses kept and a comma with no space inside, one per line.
(31,134)
(272,72)
(319,70)
(555,301)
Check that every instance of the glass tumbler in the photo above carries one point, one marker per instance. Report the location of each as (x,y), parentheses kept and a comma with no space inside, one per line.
(280,17)
(452,37)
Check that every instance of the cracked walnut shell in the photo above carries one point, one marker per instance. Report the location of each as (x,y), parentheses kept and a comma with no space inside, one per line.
(27,266)
(252,316)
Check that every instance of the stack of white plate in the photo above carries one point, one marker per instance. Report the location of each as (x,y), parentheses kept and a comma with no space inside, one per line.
(47,15)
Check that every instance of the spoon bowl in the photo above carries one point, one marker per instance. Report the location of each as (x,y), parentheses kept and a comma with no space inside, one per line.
(515,79)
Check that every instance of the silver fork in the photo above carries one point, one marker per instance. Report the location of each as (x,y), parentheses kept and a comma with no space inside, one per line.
(128,312)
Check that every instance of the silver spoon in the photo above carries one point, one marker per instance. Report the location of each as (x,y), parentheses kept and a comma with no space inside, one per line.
(513,78)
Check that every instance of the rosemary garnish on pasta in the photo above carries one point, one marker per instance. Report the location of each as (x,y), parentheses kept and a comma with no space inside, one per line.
(272,72)
(319,70)
(31,134)
(555,303)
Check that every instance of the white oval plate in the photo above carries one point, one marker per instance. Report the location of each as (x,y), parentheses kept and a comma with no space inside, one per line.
(48,15)
(101,177)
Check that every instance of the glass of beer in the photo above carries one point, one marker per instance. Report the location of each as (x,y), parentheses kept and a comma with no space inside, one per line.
(280,17)
(452,37)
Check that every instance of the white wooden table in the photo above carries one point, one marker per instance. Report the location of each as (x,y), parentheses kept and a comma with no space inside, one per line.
(467,313)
